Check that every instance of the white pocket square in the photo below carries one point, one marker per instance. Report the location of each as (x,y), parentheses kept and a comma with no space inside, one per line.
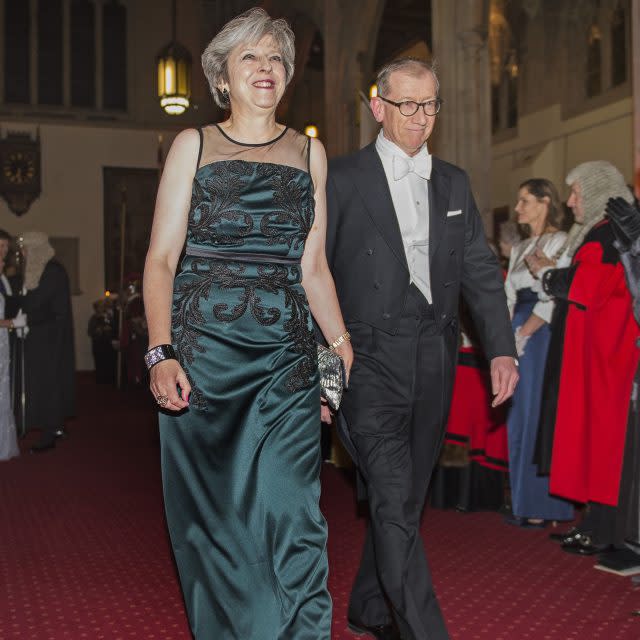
(457,212)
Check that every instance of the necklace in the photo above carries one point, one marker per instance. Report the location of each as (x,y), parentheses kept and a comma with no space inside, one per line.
(547,230)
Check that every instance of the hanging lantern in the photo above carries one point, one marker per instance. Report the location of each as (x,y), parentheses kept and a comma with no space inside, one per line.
(174,75)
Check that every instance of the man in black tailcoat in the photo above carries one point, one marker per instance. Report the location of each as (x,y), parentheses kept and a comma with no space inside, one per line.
(404,239)
(49,359)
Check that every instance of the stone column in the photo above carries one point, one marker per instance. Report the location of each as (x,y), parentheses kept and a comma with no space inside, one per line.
(463,131)
(350,33)
(305,30)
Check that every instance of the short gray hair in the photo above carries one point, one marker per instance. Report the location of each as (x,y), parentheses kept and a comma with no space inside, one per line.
(248,28)
(410,65)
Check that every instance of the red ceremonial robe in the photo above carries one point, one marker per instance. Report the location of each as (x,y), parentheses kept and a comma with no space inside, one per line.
(599,360)
(473,422)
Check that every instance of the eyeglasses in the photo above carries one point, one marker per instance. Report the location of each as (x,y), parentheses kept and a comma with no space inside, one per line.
(409,107)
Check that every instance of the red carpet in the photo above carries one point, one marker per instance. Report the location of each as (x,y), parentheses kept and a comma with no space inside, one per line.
(84,551)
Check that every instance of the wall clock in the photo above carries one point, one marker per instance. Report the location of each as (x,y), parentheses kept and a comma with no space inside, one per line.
(20,179)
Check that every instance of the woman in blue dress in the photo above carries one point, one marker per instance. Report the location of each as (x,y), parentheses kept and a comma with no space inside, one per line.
(538,208)
(233,356)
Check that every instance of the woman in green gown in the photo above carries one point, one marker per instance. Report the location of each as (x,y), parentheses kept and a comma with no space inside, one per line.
(240,430)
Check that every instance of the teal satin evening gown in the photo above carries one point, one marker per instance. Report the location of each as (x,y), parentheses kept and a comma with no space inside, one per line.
(241,466)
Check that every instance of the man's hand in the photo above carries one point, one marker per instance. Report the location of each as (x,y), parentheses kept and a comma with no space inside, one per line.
(504,377)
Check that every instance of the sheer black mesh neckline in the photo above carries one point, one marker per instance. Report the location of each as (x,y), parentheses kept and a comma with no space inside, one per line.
(252,144)
(289,149)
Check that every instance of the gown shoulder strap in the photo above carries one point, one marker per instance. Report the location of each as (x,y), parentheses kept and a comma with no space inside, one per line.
(200,148)
(309,154)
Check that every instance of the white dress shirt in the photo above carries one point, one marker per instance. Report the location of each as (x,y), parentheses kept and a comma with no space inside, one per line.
(519,276)
(408,178)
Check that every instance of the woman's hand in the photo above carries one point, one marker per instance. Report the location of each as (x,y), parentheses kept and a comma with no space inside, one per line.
(325,412)
(345,351)
(524,332)
(532,324)
(166,377)
(538,260)
(521,341)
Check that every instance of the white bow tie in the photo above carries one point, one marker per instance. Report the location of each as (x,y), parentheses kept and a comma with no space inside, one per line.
(420,165)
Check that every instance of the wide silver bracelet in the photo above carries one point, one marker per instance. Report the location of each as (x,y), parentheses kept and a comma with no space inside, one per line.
(158,354)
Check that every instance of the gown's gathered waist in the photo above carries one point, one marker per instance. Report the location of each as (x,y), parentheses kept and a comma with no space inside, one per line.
(255,257)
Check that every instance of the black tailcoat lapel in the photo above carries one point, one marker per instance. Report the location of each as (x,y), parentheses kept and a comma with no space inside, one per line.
(371,183)
(439,189)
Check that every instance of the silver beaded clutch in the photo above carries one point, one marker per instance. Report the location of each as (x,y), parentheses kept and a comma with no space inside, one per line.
(332,376)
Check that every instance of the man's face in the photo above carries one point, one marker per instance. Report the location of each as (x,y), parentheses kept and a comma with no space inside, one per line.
(407,132)
(575,202)
(4,248)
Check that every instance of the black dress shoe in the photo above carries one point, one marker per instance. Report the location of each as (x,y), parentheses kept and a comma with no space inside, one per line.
(582,545)
(574,537)
(43,445)
(380,632)
(563,535)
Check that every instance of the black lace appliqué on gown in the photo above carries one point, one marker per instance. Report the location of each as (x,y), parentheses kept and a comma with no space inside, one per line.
(293,207)
(187,313)
(206,216)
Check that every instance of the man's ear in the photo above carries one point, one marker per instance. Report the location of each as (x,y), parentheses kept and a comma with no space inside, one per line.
(377,108)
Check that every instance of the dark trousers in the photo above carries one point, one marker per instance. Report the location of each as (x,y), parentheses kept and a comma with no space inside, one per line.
(605,524)
(395,412)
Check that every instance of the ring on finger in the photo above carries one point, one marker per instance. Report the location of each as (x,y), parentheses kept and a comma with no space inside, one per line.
(162,400)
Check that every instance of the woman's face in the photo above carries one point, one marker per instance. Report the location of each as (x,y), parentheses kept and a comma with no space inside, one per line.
(257,76)
(530,210)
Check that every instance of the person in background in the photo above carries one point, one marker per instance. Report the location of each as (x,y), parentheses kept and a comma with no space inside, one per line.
(8,440)
(625,553)
(49,348)
(101,330)
(134,337)
(539,210)
(599,358)
(474,462)
(5,244)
